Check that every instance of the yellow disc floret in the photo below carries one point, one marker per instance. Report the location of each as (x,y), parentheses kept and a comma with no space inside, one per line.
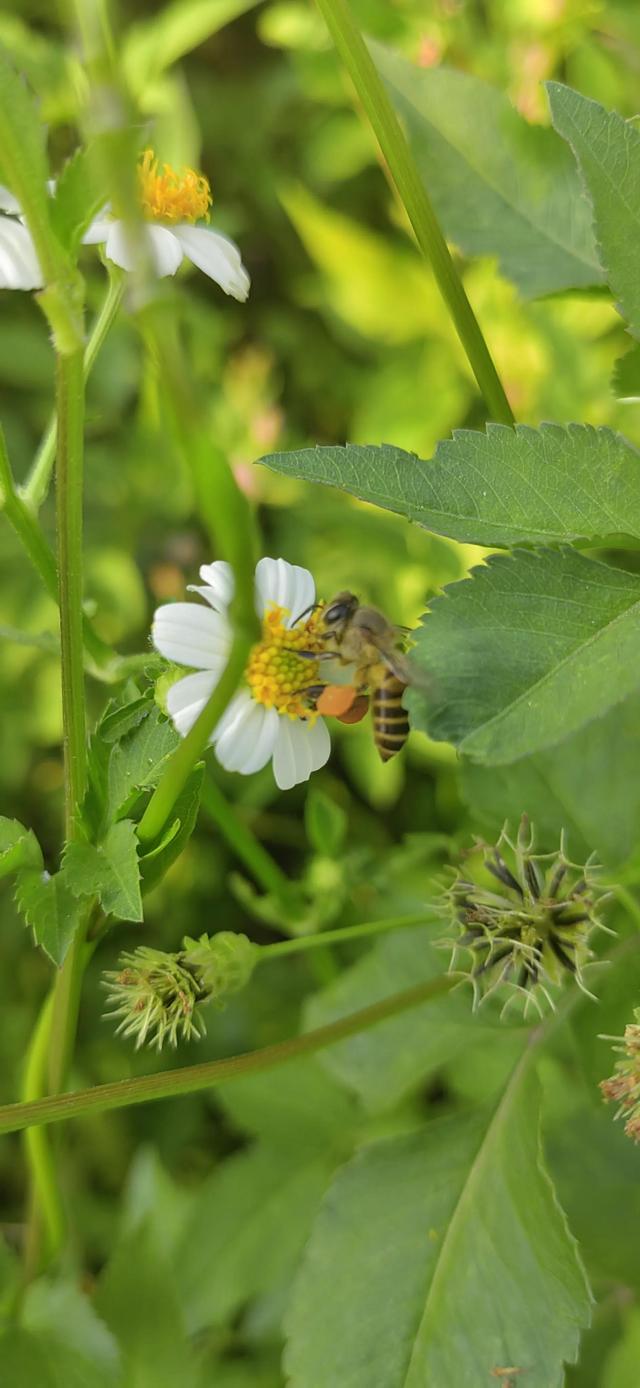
(171,197)
(277,675)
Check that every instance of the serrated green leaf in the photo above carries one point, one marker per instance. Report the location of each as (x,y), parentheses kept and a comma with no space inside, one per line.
(525,652)
(325,822)
(607,149)
(587,786)
(19,847)
(156,863)
(625,382)
(51,910)
(137,760)
(438,1257)
(78,198)
(248,1228)
(383,1065)
(152,46)
(109,870)
(500,186)
(503,487)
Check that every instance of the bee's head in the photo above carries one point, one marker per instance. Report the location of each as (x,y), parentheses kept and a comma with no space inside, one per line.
(340,609)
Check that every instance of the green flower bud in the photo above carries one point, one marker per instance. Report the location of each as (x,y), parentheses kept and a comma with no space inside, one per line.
(224,962)
(532,932)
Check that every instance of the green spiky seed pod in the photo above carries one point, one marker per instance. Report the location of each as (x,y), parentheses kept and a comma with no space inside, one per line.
(532,932)
(158,997)
(623,1087)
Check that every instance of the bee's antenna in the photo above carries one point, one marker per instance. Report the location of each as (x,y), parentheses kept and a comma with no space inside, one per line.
(311,608)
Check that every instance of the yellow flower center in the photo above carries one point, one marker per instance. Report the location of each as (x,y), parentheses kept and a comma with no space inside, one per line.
(277,675)
(168,196)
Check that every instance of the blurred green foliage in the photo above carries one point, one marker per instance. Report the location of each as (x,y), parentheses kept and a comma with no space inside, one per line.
(343,336)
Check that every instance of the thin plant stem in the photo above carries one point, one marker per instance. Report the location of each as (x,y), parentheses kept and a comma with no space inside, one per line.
(36,486)
(190,1080)
(414,197)
(348,932)
(70,442)
(241,840)
(45,1226)
(190,750)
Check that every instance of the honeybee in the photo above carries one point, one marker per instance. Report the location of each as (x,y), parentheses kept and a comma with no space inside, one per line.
(361,637)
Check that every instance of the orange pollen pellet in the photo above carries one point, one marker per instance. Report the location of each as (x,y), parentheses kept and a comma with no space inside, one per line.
(276,674)
(171,197)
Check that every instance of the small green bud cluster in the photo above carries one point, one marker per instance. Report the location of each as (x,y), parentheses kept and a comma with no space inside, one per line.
(623,1088)
(158,997)
(533,931)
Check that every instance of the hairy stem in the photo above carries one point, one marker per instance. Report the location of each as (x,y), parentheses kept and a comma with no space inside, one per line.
(45,1226)
(386,127)
(70,395)
(37,484)
(191,1079)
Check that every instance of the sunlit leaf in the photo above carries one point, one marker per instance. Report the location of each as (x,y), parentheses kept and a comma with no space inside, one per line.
(500,186)
(439,1257)
(153,45)
(500,487)
(607,149)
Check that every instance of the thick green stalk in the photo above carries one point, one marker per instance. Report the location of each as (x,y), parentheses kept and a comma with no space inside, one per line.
(193,745)
(386,127)
(37,484)
(241,840)
(45,1226)
(348,932)
(70,446)
(190,1080)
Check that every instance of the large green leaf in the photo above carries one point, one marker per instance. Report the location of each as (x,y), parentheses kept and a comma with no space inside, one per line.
(503,487)
(60,1343)
(526,651)
(608,151)
(440,1257)
(587,786)
(137,1297)
(137,759)
(386,1063)
(500,186)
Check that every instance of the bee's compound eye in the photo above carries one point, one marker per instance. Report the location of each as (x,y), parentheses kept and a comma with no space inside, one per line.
(336,613)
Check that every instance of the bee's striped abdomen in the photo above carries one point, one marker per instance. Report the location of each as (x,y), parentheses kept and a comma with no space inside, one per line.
(390,720)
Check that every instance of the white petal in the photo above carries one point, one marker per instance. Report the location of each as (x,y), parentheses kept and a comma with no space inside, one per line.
(229,730)
(285,584)
(192,635)
(219,582)
(217,257)
(98,230)
(299,750)
(247,741)
(8,203)
(164,250)
(19,268)
(187,698)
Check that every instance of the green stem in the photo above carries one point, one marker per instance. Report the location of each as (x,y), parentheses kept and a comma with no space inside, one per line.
(241,840)
(45,1227)
(386,127)
(190,1080)
(193,745)
(37,484)
(70,396)
(348,932)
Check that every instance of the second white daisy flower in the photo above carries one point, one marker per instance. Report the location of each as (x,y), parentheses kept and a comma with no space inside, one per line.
(269,718)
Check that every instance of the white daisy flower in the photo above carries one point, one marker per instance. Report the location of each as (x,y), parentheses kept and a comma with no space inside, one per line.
(269,718)
(19,268)
(171,203)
